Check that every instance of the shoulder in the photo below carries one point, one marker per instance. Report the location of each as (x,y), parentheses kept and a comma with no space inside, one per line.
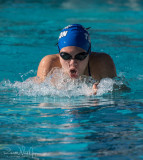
(51,58)
(46,64)
(100,58)
(102,65)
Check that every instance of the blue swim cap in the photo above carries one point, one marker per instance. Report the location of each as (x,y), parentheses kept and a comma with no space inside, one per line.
(74,35)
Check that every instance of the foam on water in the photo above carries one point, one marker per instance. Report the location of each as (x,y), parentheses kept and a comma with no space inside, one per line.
(59,84)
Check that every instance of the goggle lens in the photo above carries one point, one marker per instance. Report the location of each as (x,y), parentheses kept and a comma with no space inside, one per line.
(80,56)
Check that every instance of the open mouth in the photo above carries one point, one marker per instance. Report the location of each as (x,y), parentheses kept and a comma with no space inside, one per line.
(73,73)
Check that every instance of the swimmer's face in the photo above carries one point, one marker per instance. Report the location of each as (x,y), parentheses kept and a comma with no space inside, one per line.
(74,67)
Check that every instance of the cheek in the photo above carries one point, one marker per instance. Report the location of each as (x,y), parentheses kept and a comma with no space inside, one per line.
(64,63)
(83,65)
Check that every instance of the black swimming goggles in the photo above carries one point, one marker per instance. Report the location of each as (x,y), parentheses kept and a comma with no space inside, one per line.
(80,56)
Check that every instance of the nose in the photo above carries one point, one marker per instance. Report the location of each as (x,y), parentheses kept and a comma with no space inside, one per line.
(73,62)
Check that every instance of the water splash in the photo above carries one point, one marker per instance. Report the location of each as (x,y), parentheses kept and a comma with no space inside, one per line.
(59,84)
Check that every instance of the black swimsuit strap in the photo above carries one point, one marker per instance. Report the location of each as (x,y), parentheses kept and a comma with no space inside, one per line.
(89,73)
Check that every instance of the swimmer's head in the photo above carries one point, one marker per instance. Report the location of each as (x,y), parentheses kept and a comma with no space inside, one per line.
(75,35)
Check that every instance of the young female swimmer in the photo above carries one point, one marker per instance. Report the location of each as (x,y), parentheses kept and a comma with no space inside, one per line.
(75,57)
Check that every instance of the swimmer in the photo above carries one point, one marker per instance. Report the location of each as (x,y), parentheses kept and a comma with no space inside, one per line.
(75,57)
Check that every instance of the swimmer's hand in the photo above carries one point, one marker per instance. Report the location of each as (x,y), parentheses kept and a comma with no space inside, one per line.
(94,87)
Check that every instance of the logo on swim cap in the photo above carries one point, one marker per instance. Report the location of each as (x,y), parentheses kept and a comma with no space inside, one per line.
(62,34)
(74,35)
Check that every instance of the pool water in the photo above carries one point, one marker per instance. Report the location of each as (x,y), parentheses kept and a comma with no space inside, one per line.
(43,122)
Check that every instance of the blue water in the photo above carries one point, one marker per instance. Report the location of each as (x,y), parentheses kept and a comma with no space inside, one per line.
(41,122)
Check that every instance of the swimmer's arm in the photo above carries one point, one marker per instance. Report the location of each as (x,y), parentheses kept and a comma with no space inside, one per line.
(103,66)
(43,69)
(108,70)
(45,66)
